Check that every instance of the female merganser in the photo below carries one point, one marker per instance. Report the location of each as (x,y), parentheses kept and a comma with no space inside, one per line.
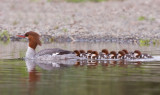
(103,54)
(46,54)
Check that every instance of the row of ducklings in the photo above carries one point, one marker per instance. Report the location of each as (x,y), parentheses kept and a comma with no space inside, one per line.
(105,54)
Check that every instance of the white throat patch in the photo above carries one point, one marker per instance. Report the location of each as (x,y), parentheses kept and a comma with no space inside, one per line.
(30,53)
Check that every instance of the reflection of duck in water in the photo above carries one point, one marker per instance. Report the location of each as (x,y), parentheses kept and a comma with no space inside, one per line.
(46,54)
(48,65)
(33,74)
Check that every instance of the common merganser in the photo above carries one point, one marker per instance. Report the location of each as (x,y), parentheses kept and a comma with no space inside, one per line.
(103,54)
(126,51)
(121,55)
(138,54)
(94,55)
(82,53)
(135,55)
(88,54)
(112,55)
(46,54)
(77,53)
(128,55)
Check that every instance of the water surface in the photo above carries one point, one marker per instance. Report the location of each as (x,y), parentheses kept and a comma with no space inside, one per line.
(19,77)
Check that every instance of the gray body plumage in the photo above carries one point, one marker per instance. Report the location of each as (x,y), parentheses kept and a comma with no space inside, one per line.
(55,54)
(57,51)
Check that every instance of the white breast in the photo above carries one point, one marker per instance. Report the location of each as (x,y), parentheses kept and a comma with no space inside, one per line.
(30,54)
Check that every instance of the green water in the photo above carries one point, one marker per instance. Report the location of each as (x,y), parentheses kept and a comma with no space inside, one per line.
(110,79)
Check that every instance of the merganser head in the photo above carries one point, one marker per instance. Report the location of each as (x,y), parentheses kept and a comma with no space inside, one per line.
(89,52)
(94,54)
(112,54)
(33,37)
(126,51)
(81,51)
(105,51)
(77,52)
(120,54)
(137,54)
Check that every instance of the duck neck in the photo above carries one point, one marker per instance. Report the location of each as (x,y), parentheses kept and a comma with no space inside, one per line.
(30,53)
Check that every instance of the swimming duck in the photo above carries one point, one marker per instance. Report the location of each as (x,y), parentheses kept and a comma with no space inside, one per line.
(112,55)
(121,55)
(94,55)
(138,54)
(46,54)
(103,54)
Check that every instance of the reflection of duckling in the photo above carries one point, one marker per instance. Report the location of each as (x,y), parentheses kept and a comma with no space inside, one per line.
(112,55)
(112,62)
(92,64)
(105,63)
(122,63)
(77,64)
(137,64)
(103,54)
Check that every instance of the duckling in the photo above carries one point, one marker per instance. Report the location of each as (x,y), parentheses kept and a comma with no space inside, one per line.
(88,54)
(112,55)
(94,55)
(138,54)
(103,54)
(77,53)
(121,55)
(128,55)
(82,53)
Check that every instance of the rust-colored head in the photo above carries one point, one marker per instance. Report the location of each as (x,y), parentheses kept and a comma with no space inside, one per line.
(137,53)
(126,51)
(89,51)
(77,52)
(33,37)
(105,51)
(81,51)
(94,54)
(113,54)
(120,54)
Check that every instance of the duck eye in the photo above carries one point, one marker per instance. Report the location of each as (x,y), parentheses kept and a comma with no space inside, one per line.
(26,35)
